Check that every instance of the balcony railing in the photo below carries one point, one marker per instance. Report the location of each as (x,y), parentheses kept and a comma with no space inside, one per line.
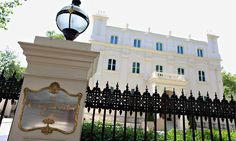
(167,76)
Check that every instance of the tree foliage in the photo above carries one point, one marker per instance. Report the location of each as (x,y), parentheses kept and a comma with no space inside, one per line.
(229,82)
(6,9)
(10,65)
(53,35)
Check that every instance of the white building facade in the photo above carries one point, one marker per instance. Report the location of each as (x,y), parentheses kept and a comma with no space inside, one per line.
(157,61)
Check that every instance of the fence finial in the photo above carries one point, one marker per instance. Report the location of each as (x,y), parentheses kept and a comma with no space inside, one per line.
(117,86)
(97,84)
(223,97)
(182,91)
(137,88)
(207,94)
(146,89)
(127,87)
(107,85)
(216,95)
(155,89)
(173,91)
(191,93)
(199,93)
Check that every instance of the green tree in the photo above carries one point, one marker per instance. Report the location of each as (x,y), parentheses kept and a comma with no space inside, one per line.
(6,9)
(229,82)
(53,35)
(10,65)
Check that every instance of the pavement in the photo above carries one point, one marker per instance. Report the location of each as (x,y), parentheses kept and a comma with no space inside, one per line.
(5,128)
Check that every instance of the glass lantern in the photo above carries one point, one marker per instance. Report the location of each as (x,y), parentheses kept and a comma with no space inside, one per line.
(72,20)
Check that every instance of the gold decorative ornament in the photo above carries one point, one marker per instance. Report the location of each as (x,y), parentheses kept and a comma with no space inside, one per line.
(47,130)
(50,109)
(54,88)
(71,10)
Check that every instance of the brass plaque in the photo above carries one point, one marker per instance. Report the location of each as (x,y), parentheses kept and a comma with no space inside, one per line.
(50,109)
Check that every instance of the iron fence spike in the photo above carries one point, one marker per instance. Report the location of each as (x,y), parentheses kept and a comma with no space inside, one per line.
(107,85)
(199,93)
(117,86)
(137,88)
(216,96)
(155,89)
(127,87)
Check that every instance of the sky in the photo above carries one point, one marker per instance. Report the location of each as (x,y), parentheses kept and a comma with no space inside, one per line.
(181,17)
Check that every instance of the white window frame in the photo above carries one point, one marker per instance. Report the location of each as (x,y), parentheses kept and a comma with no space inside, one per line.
(137,43)
(136,67)
(114,39)
(180,71)
(180,49)
(159,68)
(200,52)
(111,64)
(159,46)
(201,76)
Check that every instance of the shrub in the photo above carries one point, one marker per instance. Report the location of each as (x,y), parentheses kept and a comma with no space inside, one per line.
(108,133)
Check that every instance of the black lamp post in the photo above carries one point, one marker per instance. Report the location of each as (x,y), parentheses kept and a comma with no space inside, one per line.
(72,21)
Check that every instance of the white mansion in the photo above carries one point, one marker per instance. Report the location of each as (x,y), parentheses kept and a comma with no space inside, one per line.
(155,60)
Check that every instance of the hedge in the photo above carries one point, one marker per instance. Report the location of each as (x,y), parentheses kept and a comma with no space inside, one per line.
(86,133)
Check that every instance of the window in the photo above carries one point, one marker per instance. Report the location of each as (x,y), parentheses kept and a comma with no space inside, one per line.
(159,46)
(136,67)
(201,76)
(180,50)
(180,71)
(137,43)
(159,68)
(199,52)
(114,39)
(111,64)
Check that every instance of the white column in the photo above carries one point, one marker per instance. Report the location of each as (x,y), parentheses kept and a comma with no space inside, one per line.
(71,64)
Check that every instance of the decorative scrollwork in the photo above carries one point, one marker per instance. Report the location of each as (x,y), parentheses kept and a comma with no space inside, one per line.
(163,104)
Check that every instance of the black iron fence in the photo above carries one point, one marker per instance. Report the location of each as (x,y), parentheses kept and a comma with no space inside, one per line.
(202,112)
(9,91)
(186,110)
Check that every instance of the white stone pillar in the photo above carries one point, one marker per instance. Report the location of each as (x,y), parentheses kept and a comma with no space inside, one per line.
(71,64)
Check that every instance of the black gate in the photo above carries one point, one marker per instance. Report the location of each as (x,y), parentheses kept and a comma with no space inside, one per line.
(9,91)
(197,112)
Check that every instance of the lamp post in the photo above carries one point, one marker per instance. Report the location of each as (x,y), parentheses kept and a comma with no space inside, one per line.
(72,20)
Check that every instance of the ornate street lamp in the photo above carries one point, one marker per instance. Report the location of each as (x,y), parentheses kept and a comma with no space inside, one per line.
(72,21)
